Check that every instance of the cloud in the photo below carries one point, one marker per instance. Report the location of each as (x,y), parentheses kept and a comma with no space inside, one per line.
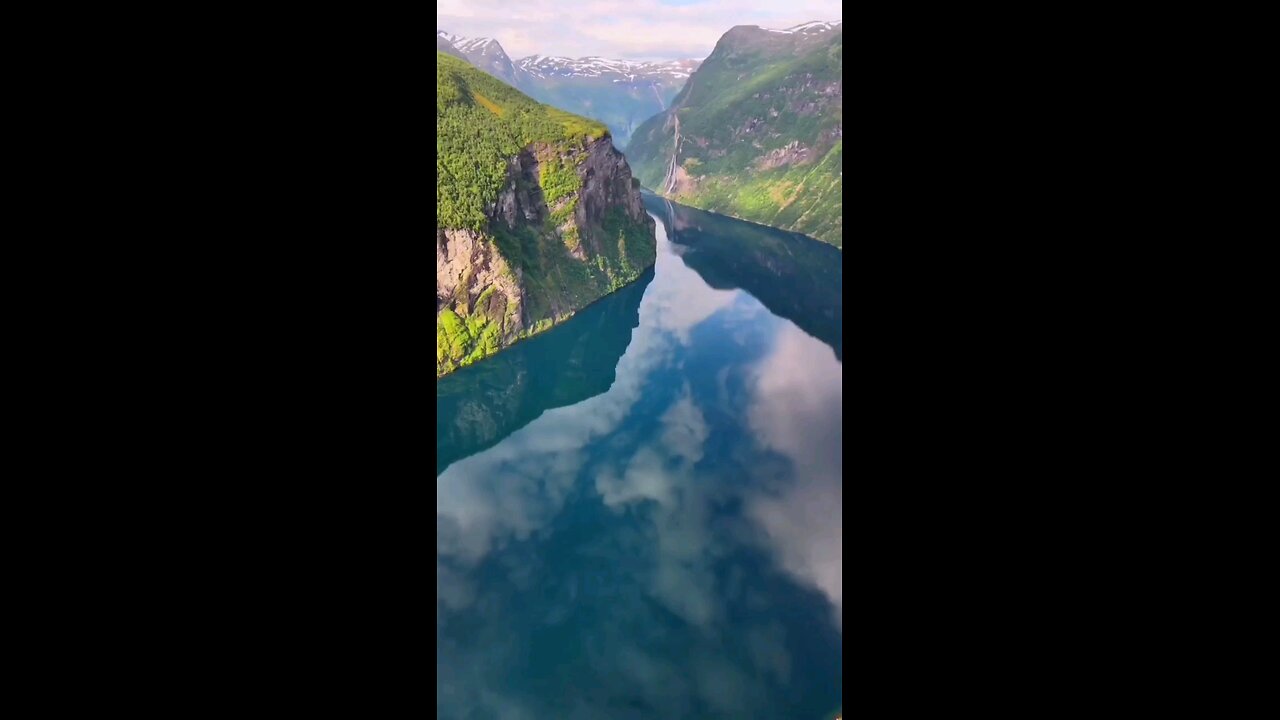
(663,471)
(797,411)
(518,486)
(622,29)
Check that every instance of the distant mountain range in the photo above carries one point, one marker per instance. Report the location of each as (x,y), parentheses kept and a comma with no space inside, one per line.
(619,93)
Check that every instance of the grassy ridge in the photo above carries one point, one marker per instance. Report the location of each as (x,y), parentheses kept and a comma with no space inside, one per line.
(749,98)
(802,198)
(480,124)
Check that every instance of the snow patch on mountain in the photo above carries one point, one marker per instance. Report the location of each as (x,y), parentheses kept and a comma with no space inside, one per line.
(817,26)
(544,66)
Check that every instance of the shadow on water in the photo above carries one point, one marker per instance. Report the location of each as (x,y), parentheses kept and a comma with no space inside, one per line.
(479,405)
(794,276)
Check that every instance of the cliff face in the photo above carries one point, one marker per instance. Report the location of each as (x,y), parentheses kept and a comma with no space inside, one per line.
(559,225)
(757,132)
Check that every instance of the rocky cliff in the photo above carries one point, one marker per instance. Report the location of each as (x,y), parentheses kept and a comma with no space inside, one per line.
(537,216)
(757,132)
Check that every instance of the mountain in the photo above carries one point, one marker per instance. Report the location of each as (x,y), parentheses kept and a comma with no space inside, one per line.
(447,47)
(619,93)
(757,131)
(537,215)
(484,53)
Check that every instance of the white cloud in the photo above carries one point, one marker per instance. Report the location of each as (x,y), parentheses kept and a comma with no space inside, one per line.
(516,487)
(799,394)
(624,29)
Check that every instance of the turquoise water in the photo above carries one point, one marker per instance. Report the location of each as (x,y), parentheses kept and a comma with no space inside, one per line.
(639,512)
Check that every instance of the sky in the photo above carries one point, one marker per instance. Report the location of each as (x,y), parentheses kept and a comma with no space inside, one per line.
(621,29)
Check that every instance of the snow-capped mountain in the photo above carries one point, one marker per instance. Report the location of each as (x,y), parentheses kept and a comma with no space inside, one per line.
(447,47)
(809,28)
(485,53)
(620,93)
(616,70)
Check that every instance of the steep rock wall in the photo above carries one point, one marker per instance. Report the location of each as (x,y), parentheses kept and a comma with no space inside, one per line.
(567,228)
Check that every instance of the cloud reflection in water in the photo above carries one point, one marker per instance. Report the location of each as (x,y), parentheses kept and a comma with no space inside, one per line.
(660,549)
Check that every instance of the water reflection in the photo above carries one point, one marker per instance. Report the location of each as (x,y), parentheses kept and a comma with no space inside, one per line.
(794,276)
(479,405)
(668,546)
(792,413)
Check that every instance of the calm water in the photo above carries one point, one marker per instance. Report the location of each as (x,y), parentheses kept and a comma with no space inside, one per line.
(639,512)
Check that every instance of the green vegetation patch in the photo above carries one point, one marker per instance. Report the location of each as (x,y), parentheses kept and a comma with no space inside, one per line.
(461,341)
(480,124)
(805,198)
(558,176)
(744,102)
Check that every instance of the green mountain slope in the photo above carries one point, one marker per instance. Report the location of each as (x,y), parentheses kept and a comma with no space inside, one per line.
(757,132)
(619,93)
(537,215)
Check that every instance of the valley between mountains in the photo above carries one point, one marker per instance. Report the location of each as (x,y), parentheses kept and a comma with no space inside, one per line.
(538,210)
(639,360)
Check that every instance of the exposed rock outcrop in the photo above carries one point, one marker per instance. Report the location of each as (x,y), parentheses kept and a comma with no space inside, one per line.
(537,215)
(587,242)
(468,267)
